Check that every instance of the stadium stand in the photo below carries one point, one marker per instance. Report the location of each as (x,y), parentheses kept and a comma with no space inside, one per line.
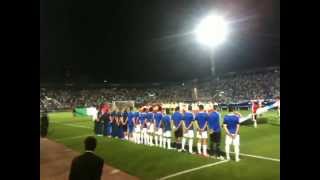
(228,88)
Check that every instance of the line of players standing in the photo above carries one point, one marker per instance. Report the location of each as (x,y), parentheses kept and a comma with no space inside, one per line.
(153,127)
(112,124)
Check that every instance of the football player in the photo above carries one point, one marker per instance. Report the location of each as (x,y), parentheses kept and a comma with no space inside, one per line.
(202,134)
(231,125)
(188,119)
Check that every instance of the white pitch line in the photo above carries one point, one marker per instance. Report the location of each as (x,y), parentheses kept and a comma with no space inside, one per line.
(259,157)
(193,169)
(114,171)
(73,137)
(72,125)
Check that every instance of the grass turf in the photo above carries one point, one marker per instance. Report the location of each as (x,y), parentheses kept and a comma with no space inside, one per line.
(153,163)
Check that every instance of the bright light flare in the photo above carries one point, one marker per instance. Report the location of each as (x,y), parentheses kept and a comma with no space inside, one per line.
(212,30)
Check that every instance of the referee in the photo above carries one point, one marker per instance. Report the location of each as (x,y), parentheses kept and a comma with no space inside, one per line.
(44,124)
(215,132)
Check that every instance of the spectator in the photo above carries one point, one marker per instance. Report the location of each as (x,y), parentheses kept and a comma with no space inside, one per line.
(235,87)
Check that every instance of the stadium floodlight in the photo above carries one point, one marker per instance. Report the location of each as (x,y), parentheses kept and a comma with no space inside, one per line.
(212,31)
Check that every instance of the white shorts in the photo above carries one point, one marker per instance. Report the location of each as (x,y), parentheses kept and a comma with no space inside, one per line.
(202,135)
(144,130)
(159,132)
(167,134)
(151,128)
(235,141)
(189,134)
(137,129)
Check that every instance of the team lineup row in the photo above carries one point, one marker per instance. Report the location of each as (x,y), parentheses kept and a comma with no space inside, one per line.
(153,127)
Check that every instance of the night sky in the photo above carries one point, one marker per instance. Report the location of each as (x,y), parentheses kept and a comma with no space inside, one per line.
(151,41)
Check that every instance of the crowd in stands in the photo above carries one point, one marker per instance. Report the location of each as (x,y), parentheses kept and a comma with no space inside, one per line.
(230,88)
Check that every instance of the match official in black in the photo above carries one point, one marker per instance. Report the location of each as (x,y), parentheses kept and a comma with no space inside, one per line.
(44,120)
(87,166)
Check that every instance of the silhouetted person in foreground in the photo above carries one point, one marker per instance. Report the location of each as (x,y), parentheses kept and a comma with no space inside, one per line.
(87,166)
(44,124)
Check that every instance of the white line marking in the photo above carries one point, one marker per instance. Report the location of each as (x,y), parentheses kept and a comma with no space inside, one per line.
(193,169)
(114,171)
(73,125)
(73,137)
(249,155)
(259,157)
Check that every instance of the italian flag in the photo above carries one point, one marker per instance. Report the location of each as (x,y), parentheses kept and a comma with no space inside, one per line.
(90,111)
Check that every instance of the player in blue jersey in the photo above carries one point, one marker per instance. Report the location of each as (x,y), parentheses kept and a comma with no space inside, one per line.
(188,133)
(231,125)
(215,132)
(158,126)
(106,124)
(110,126)
(143,122)
(130,124)
(99,123)
(120,123)
(177,126)
(150,126)
(202,134)
(137,128)
(125,124)
(167,122)
(114,128)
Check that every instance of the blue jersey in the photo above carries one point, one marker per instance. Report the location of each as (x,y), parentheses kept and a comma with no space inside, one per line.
(125,115)
(158,117)
(214,121)
(130,118)
(166,122)
(113,115)
(142,117)
(202,118)
(231,120)
(188,118)
(150,116)
(136,117)
(177,117)
(105,118)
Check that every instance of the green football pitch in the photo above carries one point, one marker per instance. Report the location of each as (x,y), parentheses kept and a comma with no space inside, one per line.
(260,152)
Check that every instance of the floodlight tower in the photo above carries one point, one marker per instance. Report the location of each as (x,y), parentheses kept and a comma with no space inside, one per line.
(211,32)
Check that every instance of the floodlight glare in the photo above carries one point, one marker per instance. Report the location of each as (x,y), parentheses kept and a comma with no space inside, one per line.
(212,30)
